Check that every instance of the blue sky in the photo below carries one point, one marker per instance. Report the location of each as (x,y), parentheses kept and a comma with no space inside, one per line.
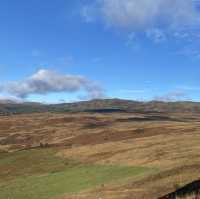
(55,51)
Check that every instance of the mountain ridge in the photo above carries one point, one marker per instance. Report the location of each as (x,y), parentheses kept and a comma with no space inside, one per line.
(100,105)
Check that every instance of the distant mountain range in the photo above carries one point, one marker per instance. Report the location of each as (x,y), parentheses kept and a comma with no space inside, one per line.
(107,105)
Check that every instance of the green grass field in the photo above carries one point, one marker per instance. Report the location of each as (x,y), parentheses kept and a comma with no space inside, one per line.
(39,174)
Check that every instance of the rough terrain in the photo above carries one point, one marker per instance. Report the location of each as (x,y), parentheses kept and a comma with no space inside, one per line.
(159,150)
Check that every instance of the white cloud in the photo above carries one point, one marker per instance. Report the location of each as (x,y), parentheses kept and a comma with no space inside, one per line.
(46,81)
(143,14)
(10,99)
(159,20)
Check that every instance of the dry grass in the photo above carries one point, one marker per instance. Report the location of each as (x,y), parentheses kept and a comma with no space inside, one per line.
(171,147)
(193,196)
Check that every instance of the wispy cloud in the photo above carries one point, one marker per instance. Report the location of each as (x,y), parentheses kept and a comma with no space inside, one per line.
(157,35)
(133,42)
(89,12)
(176,95)
(189,88)
(156,20)
(189,51)
(46,81)
(144,14)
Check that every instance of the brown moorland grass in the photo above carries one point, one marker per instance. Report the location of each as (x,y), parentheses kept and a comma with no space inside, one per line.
(169,143)
(193,196)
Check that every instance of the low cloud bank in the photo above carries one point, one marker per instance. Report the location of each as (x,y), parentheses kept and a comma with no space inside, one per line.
(46,81)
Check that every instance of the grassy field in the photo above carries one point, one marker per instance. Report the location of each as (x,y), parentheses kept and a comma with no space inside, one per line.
(40,174)
(88,150)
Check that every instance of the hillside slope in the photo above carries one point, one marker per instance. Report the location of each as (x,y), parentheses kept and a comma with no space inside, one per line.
(103,106)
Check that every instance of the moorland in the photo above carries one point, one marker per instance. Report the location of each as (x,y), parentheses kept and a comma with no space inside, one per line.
(110,149)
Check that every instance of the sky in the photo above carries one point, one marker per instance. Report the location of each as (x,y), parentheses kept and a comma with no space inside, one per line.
(71,50)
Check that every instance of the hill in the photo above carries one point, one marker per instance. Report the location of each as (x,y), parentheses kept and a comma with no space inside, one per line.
(102,106)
